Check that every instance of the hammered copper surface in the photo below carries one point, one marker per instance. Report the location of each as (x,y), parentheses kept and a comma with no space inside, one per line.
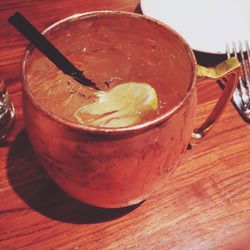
(119,167)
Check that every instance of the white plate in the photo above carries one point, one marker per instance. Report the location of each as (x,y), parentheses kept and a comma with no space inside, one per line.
(207,25)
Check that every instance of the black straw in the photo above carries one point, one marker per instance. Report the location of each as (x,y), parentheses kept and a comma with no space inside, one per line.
(48,49)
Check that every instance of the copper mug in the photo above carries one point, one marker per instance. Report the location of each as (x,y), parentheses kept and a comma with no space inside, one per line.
(121,166)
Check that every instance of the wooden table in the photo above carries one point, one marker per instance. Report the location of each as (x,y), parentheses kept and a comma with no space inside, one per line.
(205,205)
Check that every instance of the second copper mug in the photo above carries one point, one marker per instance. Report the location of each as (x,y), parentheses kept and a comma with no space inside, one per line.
(121,166)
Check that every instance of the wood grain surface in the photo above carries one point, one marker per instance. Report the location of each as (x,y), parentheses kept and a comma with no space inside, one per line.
(205,204)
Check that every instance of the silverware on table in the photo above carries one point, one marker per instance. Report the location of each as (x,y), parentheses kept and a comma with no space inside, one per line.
(241,96)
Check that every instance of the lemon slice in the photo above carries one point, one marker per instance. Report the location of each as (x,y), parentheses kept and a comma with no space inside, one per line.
(124,105)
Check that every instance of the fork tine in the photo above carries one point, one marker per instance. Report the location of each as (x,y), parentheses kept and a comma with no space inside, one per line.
(240,85)
(248,52)
(228,51)
(244,66)
(244,89)
(234,50)
(248,60)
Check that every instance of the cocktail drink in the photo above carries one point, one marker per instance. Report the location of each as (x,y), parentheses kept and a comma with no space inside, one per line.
(110,55)
(115,147)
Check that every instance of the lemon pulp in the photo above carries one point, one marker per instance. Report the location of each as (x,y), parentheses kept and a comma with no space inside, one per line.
(124,105)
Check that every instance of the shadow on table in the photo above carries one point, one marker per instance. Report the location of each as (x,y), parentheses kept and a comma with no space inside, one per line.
(33,185)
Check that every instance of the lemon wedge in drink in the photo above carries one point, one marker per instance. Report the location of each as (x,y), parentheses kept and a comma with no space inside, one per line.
(124,105)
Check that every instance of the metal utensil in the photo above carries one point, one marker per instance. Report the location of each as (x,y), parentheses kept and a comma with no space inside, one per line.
(7,112)
(241,96)
(48,49)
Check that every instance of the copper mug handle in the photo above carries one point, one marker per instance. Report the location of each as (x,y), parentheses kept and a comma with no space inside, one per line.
(228,69)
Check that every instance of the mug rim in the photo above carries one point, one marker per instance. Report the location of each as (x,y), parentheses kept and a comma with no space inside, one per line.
(122,130)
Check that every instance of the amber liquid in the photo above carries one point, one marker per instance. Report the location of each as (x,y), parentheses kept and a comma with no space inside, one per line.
(109,60)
